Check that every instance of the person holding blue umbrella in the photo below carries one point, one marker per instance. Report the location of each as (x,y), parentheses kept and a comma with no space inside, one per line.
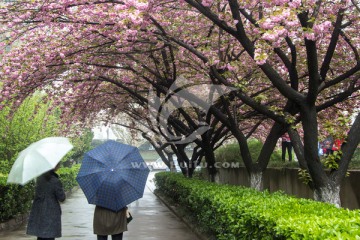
(112,176)
(108,222)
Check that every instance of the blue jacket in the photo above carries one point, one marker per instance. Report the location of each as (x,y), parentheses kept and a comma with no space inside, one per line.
(45,215)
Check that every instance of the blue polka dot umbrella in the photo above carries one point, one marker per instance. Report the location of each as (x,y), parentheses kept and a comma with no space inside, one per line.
(113,175)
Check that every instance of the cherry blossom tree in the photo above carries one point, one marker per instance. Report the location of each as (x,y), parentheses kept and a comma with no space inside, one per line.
(79,77)
(306,50)
(290,61)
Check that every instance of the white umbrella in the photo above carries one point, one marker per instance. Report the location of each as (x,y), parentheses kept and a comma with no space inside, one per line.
(38,158)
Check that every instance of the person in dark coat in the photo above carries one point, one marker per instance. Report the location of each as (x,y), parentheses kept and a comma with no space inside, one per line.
(286,144)
(107,222)
(45,215)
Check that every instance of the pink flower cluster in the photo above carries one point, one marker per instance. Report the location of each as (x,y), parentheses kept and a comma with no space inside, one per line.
(207,3)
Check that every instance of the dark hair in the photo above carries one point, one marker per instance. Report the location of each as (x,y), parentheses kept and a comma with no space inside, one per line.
(48,175)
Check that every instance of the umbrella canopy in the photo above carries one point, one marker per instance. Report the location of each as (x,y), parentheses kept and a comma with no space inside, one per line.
(113,175)
(38,158)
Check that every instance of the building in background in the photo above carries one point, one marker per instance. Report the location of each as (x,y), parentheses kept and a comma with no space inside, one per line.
(103,133)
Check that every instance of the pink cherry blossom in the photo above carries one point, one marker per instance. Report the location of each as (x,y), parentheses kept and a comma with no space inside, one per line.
(207,3)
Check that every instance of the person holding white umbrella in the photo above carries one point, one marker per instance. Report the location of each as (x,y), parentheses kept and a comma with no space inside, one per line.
(40,160)
(45,215)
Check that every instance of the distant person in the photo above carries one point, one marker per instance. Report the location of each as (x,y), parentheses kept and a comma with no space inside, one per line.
(286,144)
(45,215)
(328,145)
(107,222)
(337,144)
(320,149)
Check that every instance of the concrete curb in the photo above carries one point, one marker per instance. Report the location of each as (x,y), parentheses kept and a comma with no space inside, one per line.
(14,223)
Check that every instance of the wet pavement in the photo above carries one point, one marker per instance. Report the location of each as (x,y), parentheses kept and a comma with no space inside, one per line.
(152,220)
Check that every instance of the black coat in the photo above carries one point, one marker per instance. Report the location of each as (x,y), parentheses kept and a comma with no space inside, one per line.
(45,214)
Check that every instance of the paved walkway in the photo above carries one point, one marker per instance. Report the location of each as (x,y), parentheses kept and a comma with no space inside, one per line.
(152,220)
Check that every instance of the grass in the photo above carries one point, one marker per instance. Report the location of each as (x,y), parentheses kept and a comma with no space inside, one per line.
(149,156)
(355,161)
(231,153)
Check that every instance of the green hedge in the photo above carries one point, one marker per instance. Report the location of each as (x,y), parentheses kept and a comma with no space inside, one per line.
(68,176)
(234,212)
(16,199)
(231,152)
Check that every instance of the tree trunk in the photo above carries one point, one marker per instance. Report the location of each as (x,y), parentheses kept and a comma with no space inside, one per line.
(329,193)
(209,157)
(212,175)
(313,163)
(256,180)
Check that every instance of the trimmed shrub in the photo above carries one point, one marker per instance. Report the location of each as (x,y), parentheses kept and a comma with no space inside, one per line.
(355,161)
(235,212)
(231,152)
(14,199)
(68,176)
